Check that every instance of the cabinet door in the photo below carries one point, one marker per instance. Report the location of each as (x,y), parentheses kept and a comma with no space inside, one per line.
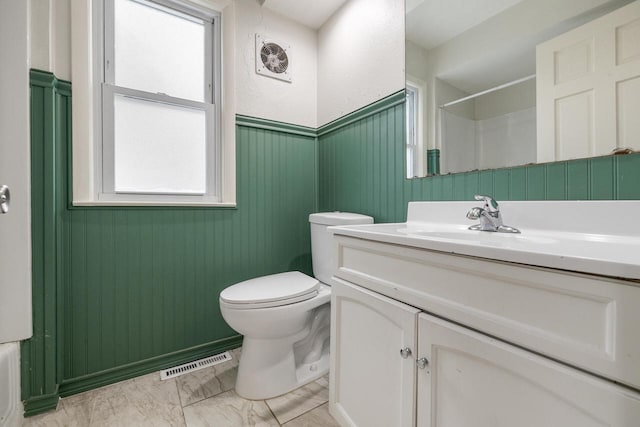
(474,380)
(371,383)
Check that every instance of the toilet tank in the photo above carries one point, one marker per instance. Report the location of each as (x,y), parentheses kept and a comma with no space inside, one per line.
(322,244)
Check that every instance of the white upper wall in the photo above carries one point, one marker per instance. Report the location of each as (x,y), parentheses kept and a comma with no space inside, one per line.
(417,62)
(521,96)
(50,36)
(360,56)
(432,22)
(265,97)
(309,13)
(444,93)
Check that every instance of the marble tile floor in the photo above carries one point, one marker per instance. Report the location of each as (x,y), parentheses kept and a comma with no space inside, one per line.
(201,398)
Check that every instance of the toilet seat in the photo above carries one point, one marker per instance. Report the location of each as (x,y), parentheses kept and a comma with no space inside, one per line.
(271,291)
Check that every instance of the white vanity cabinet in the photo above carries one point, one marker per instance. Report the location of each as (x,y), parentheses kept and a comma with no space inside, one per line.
(477,381)
(374,382)
(457,374)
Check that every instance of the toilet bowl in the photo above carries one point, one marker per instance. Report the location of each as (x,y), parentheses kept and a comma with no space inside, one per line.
(285,318)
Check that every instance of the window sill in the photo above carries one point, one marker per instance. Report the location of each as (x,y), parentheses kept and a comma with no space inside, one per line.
(115,204)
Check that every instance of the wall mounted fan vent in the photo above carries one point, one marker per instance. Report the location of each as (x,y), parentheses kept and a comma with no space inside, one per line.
(273,58)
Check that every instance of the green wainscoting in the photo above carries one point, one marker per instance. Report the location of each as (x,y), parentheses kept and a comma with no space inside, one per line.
(362,161)
(119,292)
(50,130)
(362,170)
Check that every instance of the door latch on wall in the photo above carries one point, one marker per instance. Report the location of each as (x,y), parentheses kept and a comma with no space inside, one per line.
(5,199)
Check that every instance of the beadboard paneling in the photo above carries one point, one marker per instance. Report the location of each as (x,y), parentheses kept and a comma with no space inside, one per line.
(362,165)
(146,282)
(40,360)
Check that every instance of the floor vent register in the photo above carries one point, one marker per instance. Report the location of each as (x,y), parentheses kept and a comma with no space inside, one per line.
(176,371)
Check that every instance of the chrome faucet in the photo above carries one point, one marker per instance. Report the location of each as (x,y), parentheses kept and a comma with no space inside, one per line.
(489,216)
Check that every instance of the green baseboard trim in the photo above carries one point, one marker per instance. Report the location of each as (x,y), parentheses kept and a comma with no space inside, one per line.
(38,405)
(125,372)
(265,124)
(369,110)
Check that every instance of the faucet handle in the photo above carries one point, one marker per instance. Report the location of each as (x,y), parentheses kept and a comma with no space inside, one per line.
(475,213)
(490,203)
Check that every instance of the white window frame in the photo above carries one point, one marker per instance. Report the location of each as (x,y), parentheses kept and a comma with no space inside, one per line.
(86,51)
(416,145)
(104,91)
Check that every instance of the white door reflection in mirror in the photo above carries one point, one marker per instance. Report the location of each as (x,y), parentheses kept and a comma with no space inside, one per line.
(588,88)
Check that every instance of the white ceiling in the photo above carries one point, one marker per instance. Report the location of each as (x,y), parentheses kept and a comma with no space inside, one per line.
(309,13)
(433,22)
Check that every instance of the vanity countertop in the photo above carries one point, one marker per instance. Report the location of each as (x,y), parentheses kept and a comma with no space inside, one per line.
(596,237)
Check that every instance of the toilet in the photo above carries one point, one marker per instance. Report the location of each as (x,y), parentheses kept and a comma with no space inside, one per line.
(285,318)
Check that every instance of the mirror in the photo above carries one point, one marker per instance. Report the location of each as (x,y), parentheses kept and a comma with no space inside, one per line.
(471,80)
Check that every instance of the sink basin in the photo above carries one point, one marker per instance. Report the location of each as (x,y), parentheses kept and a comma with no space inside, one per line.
(563,235)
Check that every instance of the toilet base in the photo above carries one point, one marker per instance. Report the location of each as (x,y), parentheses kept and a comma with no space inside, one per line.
(267,369)
(309,372)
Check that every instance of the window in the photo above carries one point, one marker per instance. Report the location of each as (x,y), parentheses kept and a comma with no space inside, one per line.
(414,131)
(415,106)
(160,98)
(412,134)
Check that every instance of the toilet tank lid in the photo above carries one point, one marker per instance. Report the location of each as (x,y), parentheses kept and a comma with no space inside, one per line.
(339,218)
(274,287)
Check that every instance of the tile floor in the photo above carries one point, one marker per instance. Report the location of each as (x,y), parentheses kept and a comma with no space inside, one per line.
(201,398)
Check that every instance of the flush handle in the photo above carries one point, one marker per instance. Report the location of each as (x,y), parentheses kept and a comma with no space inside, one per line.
(405,352)
(5,199)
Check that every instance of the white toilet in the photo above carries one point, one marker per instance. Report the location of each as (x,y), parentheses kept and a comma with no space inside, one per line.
(285,318)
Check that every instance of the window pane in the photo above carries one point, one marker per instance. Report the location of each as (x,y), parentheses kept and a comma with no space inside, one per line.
(158,52)
(411,135)
(158,148)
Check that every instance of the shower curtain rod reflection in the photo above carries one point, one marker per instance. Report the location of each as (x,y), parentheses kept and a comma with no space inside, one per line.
(484,92)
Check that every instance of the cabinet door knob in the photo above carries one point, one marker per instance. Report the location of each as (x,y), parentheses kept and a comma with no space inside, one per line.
(405,352)
(422,363)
